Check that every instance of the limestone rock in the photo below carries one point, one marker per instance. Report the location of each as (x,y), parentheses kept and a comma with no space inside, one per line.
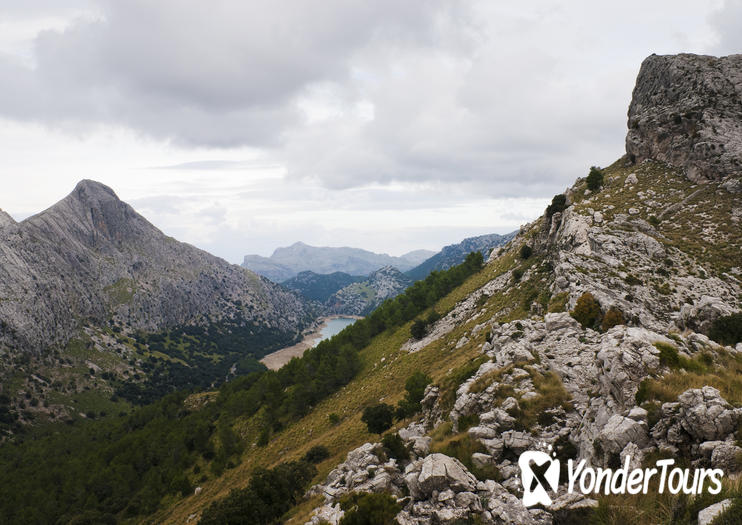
(685,111)
(709,514)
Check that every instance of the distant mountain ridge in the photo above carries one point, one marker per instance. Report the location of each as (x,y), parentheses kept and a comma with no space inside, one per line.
(363,297)
(287,262)
(319,286)
(454,254)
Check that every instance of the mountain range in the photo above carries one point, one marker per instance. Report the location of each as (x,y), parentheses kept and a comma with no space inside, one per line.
(286,263)
(607,330)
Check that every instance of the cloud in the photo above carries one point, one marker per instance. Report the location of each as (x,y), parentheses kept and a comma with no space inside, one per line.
(488,98)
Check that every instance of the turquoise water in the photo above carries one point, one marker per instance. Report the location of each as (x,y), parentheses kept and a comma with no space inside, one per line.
(334,326)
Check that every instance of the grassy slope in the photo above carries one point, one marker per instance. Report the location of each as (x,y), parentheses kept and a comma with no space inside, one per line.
(378,381)
(385,381)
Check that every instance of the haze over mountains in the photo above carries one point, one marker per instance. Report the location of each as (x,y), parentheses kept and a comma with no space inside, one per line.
(287,262)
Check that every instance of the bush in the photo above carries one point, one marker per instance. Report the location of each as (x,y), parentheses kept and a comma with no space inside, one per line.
(727,330)
(316,454)
(418,329)
(558,204)
(395,447)
(613,317)
(369,509)
(594,178)
(268,496)
(415,387)
(525,251)
(378,418)
(517,274)
(587,311)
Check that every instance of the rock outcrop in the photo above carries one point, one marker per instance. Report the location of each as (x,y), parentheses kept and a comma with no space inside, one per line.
(686,111)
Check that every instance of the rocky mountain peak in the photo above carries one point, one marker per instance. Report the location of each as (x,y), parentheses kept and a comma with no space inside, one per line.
(686,110)
(93,191)
(5,219)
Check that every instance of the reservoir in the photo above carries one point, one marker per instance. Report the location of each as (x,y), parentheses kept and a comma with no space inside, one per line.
(333,326)
(328,327)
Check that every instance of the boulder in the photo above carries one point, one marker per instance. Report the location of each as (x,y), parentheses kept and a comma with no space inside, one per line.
(701,314)
(709,514)
(726,456)
(705,415)
(620,431)
(439,472)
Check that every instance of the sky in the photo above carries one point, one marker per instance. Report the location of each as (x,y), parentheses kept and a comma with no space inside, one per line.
(242,126)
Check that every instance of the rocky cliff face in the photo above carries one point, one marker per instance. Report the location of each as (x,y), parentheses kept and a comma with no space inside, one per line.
(686,111)
(91,258)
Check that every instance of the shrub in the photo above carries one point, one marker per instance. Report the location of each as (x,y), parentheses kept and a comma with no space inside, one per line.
(668,355)
(517,274)
(316,454)
(727,330)
(415,387)
(369,509)
(418,329)
(558,204)
(613,317)
(525,251)
(378,418)
(594,178)
(395,447)
(334,419)
(587,311)
(268,496)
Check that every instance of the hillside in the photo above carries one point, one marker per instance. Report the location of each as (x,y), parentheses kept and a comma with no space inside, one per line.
(454,254)
(320,287)
(90,287)
(607,330)
(630,372)
(362,297)
(285,263)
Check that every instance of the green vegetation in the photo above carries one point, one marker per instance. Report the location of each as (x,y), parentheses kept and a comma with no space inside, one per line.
(558,204)
(378,418)
(594,178)
(525,252)
(727,330)
(395,447)
(613,317)
(316,454)
(369,509)
(587,311)
(415,387)
(268,496)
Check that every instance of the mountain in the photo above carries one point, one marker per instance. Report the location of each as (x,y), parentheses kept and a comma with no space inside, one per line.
(320,287)
(287,262)
(607,330)
(454,254)
(361,298)
(83,283)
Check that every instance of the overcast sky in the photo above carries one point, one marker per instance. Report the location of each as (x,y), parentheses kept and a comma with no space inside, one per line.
(240,126)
